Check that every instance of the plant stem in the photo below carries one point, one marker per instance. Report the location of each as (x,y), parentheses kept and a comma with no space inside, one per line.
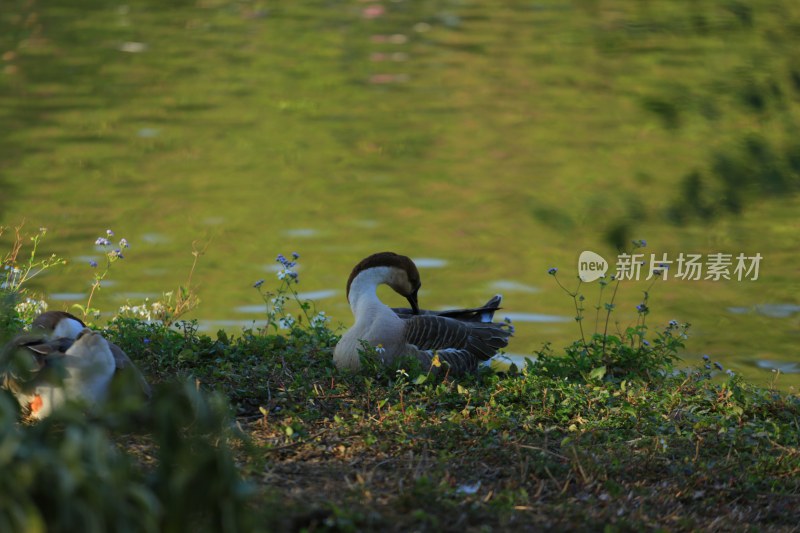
(608,316)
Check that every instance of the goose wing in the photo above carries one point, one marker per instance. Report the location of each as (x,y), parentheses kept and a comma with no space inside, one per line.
(460,344)
(484,313)
(124,366)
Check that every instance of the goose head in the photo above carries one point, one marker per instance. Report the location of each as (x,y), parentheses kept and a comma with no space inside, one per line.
(397,271)
(57,324)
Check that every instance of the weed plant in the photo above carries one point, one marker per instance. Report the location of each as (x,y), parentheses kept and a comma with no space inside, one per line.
(626,354)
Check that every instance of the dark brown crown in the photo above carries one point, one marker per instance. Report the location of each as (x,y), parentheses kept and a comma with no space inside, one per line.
(50,319)
(389,259)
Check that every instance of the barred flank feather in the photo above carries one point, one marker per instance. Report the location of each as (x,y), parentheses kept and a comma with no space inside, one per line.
(462,345)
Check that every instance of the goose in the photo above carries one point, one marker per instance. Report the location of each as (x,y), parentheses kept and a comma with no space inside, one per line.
(61,359)
(460,337)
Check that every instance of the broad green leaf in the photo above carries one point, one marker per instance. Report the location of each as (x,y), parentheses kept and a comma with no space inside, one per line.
(598,373)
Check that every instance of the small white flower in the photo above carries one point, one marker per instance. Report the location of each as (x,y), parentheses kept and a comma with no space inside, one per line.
(286,322)
(319,320)
(31,307)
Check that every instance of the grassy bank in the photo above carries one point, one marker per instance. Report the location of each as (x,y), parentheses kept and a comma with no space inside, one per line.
(403,451)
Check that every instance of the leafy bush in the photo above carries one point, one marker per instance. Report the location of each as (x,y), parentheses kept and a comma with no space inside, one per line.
(71,472)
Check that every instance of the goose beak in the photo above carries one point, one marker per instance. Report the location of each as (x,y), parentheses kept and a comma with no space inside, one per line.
(412,299)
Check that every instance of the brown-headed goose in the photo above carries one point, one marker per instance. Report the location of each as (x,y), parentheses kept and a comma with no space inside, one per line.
(460,338)
(61,359)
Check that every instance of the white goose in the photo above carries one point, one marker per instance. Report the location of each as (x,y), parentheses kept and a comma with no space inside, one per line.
(461,338)
(61,359)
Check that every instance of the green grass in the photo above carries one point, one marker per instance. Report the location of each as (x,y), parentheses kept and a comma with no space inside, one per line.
(382,451)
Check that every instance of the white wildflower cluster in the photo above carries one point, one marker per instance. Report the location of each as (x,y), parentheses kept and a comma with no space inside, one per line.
(277,304)
(158,309)
(31,308)
(320,320)
(135,311)
(287,273)
(286,322)
(148,311)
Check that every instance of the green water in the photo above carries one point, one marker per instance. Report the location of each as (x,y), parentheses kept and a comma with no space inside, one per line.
(493,140)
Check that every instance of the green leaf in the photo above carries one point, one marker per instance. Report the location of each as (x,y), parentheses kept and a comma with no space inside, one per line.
(598,373)
(419,380)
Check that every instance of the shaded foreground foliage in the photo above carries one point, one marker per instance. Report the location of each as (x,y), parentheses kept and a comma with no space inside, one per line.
(164,468)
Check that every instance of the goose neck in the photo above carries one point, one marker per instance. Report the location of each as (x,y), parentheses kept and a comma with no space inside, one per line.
(363,296)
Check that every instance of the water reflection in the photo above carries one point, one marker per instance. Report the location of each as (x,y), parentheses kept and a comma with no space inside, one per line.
(310,295)
(786,367)
(537,317)
(300,232)
(155,272)
(135,295)
(133,47)
(429,262)
(214,221)
(250,309)
(318,295)
(397,38)
(233,325)
(277,267)
(65,296)
(770,310)
(513,286)
(148,133)
(154,238)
